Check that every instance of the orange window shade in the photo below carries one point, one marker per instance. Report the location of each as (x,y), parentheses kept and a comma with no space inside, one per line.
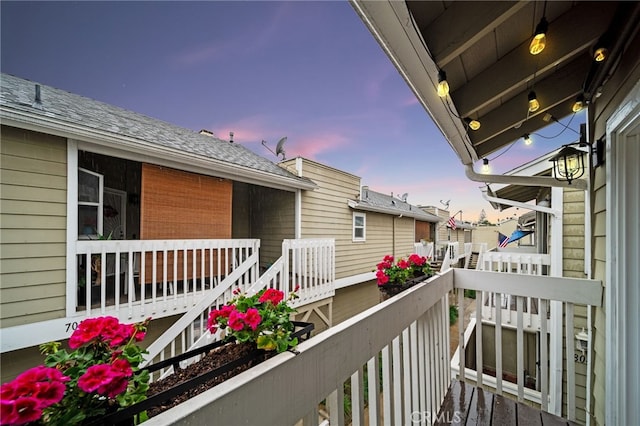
(181,205)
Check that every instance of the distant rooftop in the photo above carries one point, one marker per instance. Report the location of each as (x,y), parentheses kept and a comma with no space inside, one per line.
(381,203)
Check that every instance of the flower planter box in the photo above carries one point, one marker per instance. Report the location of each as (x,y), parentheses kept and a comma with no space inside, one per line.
(156,402)
(389,290)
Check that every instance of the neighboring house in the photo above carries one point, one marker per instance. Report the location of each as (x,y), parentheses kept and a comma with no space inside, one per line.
(108,212)
(445,233)
(365,224)
(492,78)
(76,171)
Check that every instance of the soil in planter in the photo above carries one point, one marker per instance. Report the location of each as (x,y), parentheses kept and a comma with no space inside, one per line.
(214,359)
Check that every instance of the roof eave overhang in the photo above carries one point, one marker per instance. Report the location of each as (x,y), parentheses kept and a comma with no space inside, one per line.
(139,150)
(390,211)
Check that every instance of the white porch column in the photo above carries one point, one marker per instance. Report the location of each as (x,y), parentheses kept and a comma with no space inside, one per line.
(555,328)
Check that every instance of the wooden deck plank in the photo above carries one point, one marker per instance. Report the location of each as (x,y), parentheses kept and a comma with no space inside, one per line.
(552,420)
(504,411)
(480,408)
(528,416)
(466,404)
(455,407)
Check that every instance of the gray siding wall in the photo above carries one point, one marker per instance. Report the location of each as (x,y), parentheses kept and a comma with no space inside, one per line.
(33,185)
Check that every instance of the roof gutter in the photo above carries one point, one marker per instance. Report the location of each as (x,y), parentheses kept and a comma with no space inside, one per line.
(356,206)
(523,180)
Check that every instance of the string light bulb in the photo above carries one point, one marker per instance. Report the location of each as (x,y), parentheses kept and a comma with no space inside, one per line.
(485,165)
(600,54)
(473,124)
(527,139)
(578,104)
(534,105)
(443,86)
(539,40)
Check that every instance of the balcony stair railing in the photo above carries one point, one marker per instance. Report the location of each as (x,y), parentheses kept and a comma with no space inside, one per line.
(306,266)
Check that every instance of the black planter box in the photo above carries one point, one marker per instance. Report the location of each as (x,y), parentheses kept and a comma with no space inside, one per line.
(125,416)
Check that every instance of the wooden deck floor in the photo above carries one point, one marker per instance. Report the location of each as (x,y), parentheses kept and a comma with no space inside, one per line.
(469,405)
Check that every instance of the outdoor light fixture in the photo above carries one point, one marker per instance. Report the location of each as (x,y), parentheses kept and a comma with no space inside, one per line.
(485,165)
(568,164)
(473,124)
(534,105)
(443,86)
(578,104)
(527,139)
(539,37)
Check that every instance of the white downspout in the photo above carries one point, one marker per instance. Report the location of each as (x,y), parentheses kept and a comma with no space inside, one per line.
(298,201)
(512,203)
(523,180)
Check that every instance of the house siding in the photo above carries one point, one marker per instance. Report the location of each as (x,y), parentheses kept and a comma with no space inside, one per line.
(325,214)
(272,221)
(352,300)
(625,78)
(33,191)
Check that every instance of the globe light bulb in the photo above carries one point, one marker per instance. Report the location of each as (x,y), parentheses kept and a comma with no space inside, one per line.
(443,86)
(534,105)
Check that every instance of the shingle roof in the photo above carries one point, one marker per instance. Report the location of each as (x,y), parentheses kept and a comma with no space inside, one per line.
(382,203)
(18,94)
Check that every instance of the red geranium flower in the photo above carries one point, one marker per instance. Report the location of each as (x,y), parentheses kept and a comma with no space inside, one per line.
(252,318)
(96,376)
(236,320)
(272,295)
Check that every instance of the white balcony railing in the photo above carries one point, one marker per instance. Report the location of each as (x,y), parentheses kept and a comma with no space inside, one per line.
(306,266)
(424,249)
(135,279)
(514,263)
(402,348)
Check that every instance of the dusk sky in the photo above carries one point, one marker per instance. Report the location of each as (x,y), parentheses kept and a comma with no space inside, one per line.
(310,71)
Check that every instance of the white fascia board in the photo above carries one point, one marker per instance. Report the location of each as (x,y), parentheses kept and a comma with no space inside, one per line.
(356,206)
(139,150)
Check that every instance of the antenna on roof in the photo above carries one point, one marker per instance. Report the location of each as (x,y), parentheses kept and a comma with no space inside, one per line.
(445,204)
(279,147)
(404,197)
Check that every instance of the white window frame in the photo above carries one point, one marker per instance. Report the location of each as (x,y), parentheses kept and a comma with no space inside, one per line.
(98,205)
(363,238)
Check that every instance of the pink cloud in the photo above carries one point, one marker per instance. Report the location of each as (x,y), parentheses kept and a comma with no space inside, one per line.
(312,146)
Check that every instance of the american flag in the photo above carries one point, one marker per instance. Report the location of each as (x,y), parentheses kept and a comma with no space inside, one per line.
(452,223)
(503,240)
